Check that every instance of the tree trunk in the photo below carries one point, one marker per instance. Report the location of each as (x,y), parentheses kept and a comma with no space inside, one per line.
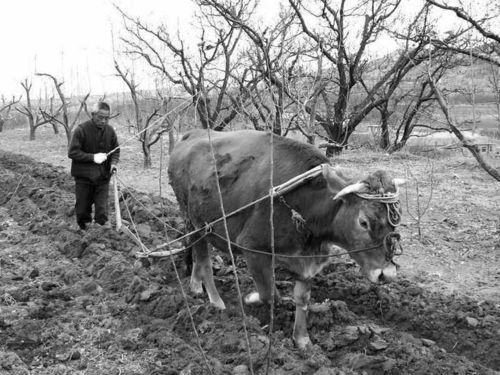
(385,142)
(396,146)
(32,133)
(333,150)
(277,126)
(146,149)
(311,138)
(56,128)
(203,114)
(338,138)
(68,135)
(171,141)
(498,113)
(474,150)
(2,121)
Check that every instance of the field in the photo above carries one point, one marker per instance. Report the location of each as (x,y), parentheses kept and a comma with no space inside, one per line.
(73,303)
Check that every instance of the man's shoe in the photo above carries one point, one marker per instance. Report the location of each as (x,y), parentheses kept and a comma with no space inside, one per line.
(84,227)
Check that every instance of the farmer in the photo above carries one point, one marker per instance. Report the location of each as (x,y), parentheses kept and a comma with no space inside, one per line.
(95,153)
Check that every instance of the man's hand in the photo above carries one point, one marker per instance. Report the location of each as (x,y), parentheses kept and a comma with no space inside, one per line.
(113,168)
(100,158)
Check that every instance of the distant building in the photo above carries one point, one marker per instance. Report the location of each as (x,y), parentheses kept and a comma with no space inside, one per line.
(485,147)
(445,140)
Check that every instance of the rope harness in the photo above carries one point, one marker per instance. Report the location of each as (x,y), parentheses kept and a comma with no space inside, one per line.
(392,244)
(391,201)
(391,249)
(391,241)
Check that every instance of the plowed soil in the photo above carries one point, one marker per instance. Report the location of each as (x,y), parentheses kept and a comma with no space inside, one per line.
(76,302)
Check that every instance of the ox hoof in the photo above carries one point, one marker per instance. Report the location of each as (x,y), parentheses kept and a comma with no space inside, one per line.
(303,342)
(252,298)
(196,287)
(218,304)
(379,275)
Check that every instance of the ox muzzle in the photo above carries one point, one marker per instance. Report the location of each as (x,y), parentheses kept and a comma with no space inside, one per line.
(392,246)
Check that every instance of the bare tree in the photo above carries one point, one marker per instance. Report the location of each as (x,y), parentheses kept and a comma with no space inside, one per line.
(407,109)
(150,123)
(34,116)
(273,82)
(62,115)
(359,90)
(474,150)
(494,81)
(413,105)
(5,109)
(281,60)
(352,93)
(486,45)
(309,107)
(421,204)
(205,74)
(247,98)
(174,117)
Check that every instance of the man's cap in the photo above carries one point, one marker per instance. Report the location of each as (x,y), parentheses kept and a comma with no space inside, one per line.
(96,107)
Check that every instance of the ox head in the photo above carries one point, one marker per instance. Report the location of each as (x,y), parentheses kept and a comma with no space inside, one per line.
(365,222)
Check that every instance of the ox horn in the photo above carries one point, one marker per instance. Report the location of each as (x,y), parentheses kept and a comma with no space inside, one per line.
(358,187)
(398,181)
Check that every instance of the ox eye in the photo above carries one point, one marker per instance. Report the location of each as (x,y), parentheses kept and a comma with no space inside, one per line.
(364,224)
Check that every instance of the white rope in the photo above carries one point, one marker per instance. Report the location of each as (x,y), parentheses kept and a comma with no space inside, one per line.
(275,192)
(383,198)
(391,201)
(294,182)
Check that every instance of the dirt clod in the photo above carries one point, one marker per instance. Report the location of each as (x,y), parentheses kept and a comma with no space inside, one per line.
(81,302)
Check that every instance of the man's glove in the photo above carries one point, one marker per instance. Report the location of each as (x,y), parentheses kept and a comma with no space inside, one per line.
(100,157)
(113,168)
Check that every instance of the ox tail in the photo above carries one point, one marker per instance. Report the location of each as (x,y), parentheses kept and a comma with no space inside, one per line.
(188,261)
(188,253)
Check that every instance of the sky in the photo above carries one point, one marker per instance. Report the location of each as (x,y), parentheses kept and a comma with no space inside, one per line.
(72,40)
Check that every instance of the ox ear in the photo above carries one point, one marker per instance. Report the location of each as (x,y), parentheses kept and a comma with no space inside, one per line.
(334,179)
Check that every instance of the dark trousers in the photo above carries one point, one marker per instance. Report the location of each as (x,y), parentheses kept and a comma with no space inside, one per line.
(88,195)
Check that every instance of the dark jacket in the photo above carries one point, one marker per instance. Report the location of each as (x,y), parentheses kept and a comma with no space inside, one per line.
(87,140)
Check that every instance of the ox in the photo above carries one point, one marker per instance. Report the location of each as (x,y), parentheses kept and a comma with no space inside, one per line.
(332,210)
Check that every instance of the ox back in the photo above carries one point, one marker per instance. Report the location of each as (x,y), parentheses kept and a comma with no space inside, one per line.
(243,169)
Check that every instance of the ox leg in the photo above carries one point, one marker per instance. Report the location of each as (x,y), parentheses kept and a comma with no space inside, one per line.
(302,296)
(261,271)
(202,274)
